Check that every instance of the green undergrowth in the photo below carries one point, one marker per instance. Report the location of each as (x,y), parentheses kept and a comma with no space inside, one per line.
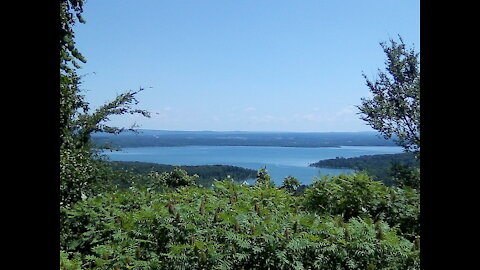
(232,226)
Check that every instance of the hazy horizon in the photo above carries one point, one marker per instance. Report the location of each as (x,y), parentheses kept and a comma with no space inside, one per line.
(255,131)
(240,65)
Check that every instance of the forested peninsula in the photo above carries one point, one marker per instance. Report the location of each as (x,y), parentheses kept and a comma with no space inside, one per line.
(380,167)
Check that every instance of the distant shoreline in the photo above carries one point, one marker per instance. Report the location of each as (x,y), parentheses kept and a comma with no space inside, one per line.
(210,145)
(152,138)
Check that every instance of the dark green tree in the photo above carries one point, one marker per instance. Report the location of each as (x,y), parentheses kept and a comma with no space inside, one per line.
(394,109)
(290,183)
(405,176)
(176,178)
(263,178)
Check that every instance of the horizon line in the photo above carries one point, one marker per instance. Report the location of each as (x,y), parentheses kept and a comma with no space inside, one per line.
(252,131)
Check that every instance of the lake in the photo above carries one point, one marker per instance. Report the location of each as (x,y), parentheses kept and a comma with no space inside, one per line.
(279,161)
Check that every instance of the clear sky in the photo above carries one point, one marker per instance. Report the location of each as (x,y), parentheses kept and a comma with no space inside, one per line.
(249,65)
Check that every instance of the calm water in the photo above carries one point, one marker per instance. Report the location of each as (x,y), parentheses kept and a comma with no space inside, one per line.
(279,161)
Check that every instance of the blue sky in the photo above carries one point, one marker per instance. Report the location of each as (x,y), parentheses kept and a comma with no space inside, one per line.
(263,65)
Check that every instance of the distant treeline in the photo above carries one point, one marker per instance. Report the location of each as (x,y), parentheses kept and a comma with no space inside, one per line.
(378,166)
(145,138)
(206,173)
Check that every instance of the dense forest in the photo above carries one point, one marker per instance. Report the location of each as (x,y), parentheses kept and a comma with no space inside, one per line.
(381,167)
(206,173)
(119,216)
(141,138)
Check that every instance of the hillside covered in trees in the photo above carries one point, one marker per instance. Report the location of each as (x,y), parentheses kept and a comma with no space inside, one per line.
(206,173)
(381,167)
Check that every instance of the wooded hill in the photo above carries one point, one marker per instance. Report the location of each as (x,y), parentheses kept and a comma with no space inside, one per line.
(378,166)
(207,173)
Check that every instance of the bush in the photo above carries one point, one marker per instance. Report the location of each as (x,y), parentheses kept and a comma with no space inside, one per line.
(346,195)
(291,184)
(405,176)
(264,179)
(358,195)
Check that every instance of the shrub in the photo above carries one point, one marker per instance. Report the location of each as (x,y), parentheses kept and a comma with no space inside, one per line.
(347,195)
(290,183)
(358,195)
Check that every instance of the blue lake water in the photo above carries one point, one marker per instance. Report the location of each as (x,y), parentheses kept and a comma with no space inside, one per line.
(279,161)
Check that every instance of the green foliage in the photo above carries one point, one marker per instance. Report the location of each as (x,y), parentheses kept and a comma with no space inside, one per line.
(76,166)
(290,183)
(347,195)
(359,195)
(402,210)
(264,179)
(67,263)
(394,109)
(70,12)
(207,174)
(228,227)
(405,176)
(176,178)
